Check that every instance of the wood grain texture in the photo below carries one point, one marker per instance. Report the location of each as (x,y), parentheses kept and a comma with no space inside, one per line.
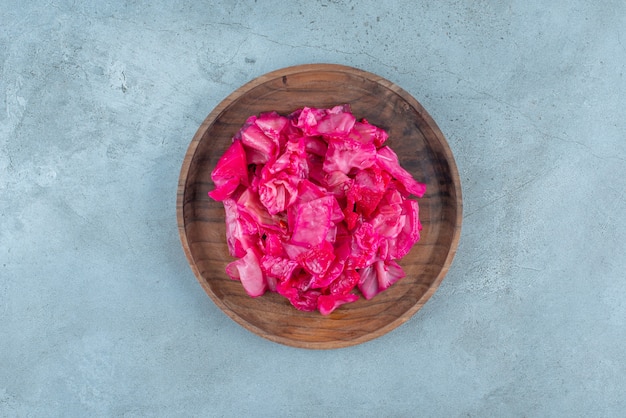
(422,150)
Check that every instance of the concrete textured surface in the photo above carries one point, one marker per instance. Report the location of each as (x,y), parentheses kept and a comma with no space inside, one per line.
(100,314)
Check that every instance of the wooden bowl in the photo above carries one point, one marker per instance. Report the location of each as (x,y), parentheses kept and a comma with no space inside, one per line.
(423,151)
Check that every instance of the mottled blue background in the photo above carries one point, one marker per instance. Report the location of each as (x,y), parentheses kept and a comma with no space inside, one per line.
(100,314)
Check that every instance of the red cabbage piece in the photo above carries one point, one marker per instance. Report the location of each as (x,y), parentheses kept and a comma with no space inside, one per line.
(366,133)
(335,122)
(368,189)
(328,303)
(317,260)
(344,154)
(317,209)
(378,277)
(248,270)
(311,221)
(388,160)
(272,124)
(278,192)
(278,268)
(241,230)
(292,160)
(231,171)
(260,148)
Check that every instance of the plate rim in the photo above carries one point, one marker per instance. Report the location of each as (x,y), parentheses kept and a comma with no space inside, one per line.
(228,101)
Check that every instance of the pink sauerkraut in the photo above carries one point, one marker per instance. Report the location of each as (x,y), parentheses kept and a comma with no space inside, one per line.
(317,207)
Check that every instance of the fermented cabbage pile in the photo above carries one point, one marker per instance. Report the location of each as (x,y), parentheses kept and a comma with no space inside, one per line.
(317,207)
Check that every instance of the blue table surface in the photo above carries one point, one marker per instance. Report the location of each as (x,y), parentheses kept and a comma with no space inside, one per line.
(100,314)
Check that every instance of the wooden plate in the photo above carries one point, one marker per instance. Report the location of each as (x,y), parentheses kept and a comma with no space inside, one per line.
(423,151)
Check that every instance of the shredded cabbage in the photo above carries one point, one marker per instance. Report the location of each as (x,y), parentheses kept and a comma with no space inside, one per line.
(317,207)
